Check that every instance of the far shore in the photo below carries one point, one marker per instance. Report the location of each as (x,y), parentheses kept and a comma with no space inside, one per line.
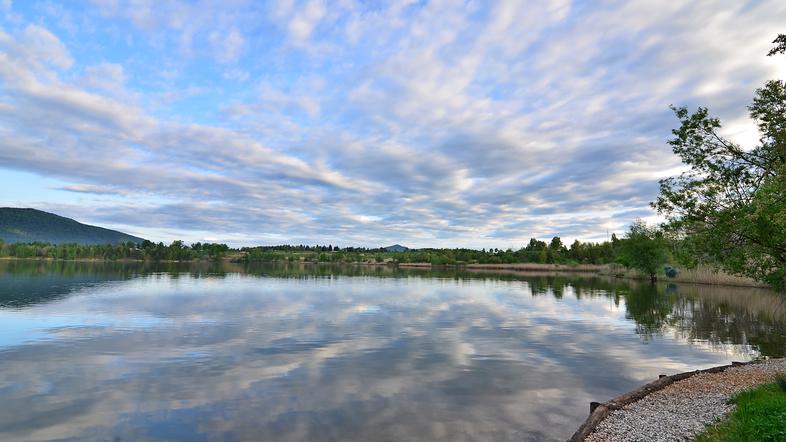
(121,260)
(700,275)
(522,267)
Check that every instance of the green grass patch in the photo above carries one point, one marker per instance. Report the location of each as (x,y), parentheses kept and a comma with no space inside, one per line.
(760,416)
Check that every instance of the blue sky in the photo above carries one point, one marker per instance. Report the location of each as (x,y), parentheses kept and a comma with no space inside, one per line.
(445,123)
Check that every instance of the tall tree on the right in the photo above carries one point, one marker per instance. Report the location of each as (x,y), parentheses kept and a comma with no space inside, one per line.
(731,204)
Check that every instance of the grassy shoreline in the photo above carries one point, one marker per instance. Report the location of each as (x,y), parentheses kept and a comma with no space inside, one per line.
(523,267)
(663,407)
(700,275)
(760,414)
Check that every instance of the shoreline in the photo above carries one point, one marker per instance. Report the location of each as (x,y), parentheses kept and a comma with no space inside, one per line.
(632,405)
(699,276)
(521,267)
(97,260)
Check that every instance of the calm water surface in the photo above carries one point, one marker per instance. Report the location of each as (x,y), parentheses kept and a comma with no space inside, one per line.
(130,352)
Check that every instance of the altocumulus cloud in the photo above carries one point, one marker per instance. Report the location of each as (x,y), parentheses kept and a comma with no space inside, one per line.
(428,123)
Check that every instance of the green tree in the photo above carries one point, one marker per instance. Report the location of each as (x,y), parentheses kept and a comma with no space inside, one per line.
(731,204)
(644,248)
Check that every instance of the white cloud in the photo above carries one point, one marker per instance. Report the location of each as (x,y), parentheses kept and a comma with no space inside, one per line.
(227,47)
(109,77)
(443,122)
(304,20)
(41,46)
(236,75)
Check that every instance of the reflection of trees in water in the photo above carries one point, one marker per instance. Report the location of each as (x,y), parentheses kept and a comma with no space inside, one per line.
(697,319)
(105,270)
(699,313)
(25,283)
(581,286)
(649,307)
(711,314)
(689,314)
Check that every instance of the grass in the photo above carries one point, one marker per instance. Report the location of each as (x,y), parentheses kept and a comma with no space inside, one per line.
(760,415)
(532,266)
(701,274)
(704,274)
(759,302)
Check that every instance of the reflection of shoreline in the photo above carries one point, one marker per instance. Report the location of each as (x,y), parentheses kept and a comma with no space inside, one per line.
(97,260)
(759,301)
(753,315)
(525,267)
(700,275)
(580,268)
(394,338)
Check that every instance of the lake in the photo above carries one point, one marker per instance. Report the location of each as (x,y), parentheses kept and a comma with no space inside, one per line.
(114,351)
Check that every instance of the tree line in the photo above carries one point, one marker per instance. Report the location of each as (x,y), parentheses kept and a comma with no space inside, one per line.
(536,251)
(146,250)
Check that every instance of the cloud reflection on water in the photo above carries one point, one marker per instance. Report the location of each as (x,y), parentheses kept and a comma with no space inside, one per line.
(304,354)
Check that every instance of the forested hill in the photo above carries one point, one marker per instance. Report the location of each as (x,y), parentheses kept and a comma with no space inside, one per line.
(31,225)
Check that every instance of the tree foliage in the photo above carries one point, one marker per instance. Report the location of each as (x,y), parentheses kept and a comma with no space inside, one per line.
(780,45)
(536,251)
(644,248)
(146,250)
(732,201)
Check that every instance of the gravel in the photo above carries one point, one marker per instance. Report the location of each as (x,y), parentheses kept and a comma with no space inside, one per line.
(684,409)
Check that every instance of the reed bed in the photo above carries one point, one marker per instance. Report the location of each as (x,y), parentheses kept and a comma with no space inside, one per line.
(708,275)
(531,266)
(701,274)
(521,267)
(758,301)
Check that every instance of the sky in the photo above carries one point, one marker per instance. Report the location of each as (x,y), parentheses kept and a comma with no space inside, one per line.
(365,123)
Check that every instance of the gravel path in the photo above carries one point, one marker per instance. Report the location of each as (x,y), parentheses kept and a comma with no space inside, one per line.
(683,409)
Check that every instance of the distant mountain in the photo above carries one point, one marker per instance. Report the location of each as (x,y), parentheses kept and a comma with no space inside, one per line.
(31,225)
(396,248)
